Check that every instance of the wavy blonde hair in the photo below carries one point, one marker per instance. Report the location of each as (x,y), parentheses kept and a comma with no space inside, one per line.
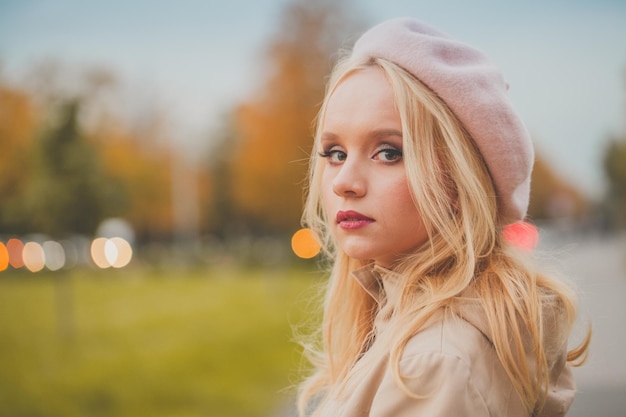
(465,253)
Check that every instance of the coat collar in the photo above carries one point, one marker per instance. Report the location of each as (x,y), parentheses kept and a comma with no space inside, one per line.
(385,287)
(382,284)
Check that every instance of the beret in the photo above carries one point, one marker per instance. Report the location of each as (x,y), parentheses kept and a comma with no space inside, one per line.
(474,89)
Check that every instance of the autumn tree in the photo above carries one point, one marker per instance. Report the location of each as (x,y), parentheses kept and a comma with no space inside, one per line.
(68,159)
(274,128)
(18,123)
(552,197)
(69,192)
(614,165)
(220,217)
(137,152)
(52,180)
(145,173)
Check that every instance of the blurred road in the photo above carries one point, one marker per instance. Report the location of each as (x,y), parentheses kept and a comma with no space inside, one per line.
(597,264)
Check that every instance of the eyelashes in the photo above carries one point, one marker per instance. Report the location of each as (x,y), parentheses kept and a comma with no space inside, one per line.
(333,155)
(389,155)
(386,153)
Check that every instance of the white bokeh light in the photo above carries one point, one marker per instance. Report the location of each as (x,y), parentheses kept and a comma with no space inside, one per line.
(54,255)
(33,256)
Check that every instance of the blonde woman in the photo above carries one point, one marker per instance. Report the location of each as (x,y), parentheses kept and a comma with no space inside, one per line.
(419,163)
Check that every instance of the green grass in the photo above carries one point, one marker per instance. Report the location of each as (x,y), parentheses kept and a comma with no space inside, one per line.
(133,343)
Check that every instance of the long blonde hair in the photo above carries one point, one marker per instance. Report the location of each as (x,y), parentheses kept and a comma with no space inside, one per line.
(465,253)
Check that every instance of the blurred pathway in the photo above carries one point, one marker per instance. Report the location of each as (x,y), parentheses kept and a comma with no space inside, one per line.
(597,264)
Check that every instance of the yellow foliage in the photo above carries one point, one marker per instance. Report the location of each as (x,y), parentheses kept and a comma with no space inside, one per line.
(275,127)
(552,197)
(146,174)
(18,124)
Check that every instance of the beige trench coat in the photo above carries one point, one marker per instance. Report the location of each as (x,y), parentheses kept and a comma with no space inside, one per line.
(453,360)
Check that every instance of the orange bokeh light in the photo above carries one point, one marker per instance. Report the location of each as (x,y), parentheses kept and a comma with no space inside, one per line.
(304,244)
(4,257)
(15,248)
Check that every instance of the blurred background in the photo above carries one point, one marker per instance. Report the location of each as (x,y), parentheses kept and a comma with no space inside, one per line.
(152,159)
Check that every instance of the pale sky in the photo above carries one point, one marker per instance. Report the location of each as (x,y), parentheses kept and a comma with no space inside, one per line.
(565,60)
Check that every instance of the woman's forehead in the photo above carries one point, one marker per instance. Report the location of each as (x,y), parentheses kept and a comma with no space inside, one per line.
(364,100)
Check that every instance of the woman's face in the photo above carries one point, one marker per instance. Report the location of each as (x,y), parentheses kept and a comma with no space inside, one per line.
(365,190)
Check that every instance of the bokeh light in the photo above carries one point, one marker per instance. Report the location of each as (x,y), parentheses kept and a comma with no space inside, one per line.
(304,244)
(33,257)
(54,254)
(15,248)
(4,257)
(124,252)
(110,252)
(115,252)
(98,252)
(523,235)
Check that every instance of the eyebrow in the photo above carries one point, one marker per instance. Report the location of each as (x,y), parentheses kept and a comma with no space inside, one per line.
(374,134)
(385,133)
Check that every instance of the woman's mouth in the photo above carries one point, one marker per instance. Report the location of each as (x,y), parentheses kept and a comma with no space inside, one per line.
(351,220)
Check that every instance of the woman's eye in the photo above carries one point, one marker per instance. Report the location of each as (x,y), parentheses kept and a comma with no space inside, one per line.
(335,156)
(389,155)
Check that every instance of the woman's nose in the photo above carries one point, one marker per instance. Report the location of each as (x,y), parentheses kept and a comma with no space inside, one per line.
(349,181)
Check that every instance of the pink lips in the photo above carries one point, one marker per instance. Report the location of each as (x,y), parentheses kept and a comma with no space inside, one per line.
(352,220)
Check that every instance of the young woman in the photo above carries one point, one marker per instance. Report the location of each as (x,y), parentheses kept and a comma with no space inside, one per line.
(419,163)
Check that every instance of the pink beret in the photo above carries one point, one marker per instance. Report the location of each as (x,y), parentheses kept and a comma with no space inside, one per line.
(474,89)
